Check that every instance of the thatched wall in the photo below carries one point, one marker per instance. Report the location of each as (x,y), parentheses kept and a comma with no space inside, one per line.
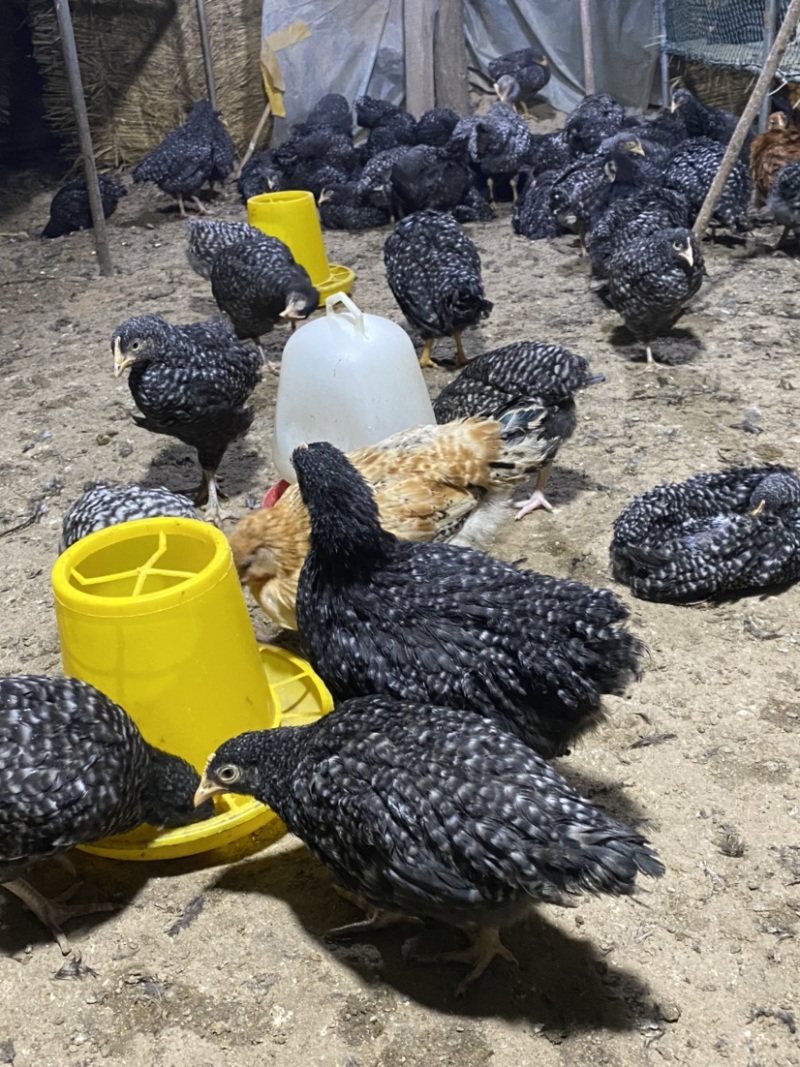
(142,69)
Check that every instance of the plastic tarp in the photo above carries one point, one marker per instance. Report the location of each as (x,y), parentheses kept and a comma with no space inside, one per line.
(356,47)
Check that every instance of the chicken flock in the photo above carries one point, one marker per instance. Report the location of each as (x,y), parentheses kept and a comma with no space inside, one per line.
(456,676)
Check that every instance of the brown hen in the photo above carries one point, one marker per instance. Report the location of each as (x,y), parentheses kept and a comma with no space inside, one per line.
(440,483)
(772,150)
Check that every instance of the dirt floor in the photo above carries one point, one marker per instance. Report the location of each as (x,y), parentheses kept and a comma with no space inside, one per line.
(703,967)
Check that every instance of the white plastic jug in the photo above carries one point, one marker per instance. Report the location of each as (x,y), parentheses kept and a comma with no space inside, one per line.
(349,378)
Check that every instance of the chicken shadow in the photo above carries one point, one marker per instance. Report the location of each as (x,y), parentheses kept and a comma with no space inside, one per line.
(679,347)
(176,467)
(562,983)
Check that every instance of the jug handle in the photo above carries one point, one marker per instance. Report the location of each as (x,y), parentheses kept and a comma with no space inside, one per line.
(354,309)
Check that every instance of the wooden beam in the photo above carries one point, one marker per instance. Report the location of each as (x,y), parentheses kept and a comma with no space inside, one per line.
(450,58)
(84,135)
(589,84)
(418,48)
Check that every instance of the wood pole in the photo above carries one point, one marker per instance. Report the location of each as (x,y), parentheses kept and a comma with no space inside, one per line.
(589,84)
(205,44)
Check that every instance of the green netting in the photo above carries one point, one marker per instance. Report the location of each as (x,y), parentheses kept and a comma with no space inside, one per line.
(726,33)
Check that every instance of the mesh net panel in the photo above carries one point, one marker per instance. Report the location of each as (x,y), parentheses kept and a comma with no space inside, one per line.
(726,33)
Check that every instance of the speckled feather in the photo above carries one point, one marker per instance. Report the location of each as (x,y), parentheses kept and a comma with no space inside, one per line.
(435,812)
(191,381)
(431,622)
(783,198)
(253,282)
(691,168)
(698,538)
(103,504)
(650,284)
(197,152)
(527,67)
(644,213)
(434,272)
(69,208)
(499,142)
(208,237)
(533,216)
(74,768)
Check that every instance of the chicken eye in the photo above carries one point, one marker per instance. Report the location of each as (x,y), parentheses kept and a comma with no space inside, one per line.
(678,246)
(135,346)
(228,774)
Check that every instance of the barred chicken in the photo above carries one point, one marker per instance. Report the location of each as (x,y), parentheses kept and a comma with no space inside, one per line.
(651,281)
(190,382)
(69,208)
(102,505)
(434,272)
(783,199)
(520,76)
(444,483)
(691,168)
(738,529)
(433,812)
(541,377)
(206,238)
(73,769)
(436,622)
(198,152)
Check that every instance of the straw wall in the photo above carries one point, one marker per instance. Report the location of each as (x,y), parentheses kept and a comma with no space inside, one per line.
(142,69)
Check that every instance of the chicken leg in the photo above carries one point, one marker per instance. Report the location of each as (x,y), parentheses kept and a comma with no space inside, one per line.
(461,359)
(485,944)
(52,913)
(425,356)
(537,499)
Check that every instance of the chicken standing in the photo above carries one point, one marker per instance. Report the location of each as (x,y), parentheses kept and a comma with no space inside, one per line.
(198,152)
(257,283)
(206,238)
(541,377)
(190,382)
(102,505)
(433,622)
(443,483)
(73,769)
(652,279)
(520,76)
(690,169)
(777,147)
(69,208)
(425,811)
(734,530)
(434,272)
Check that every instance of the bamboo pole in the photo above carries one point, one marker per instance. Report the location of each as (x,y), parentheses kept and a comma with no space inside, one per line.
(745,122)
(588,51)
(205,44)
(84,135)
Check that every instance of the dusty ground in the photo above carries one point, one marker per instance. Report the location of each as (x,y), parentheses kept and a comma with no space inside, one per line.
(701,970)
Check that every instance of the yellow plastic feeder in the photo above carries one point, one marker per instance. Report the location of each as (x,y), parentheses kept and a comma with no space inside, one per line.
(152,614)
(292,217)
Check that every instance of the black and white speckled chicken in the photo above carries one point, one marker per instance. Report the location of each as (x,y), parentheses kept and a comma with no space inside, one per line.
(783,199)
(435,127)
(346,206)
(434,272)
(206,238)
(73,769)
(104,504)
(257,283)
(260,174)
(499,145)
(646,212)
(427,178)
(190,382)
(525,373)
(691,168)
(596,117)
(374,183)
(433,621)
(738,529)
(69,208)
(198,152)
(578,188)
(331,112)
(701,120)
(533,215)
(548,151)
(433,812)
(625,174)
(652,279)
(520,76)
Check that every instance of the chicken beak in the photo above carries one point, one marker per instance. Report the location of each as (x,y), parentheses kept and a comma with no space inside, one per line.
(293,310)
(205,791)
(636,148)
(688,255)
(325,196)
(121,362)
(757,510)
(501,96)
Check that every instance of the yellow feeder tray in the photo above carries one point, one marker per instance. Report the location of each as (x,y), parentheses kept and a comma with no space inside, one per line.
(292,217)
(152,614)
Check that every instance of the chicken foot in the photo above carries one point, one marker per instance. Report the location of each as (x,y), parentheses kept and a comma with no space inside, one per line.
(53,913)
(425,356)
(537,499)
(461,358)
(375,920)
(485,944)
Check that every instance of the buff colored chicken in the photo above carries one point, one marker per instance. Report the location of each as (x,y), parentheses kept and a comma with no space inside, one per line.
(431,483)
(777,147)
